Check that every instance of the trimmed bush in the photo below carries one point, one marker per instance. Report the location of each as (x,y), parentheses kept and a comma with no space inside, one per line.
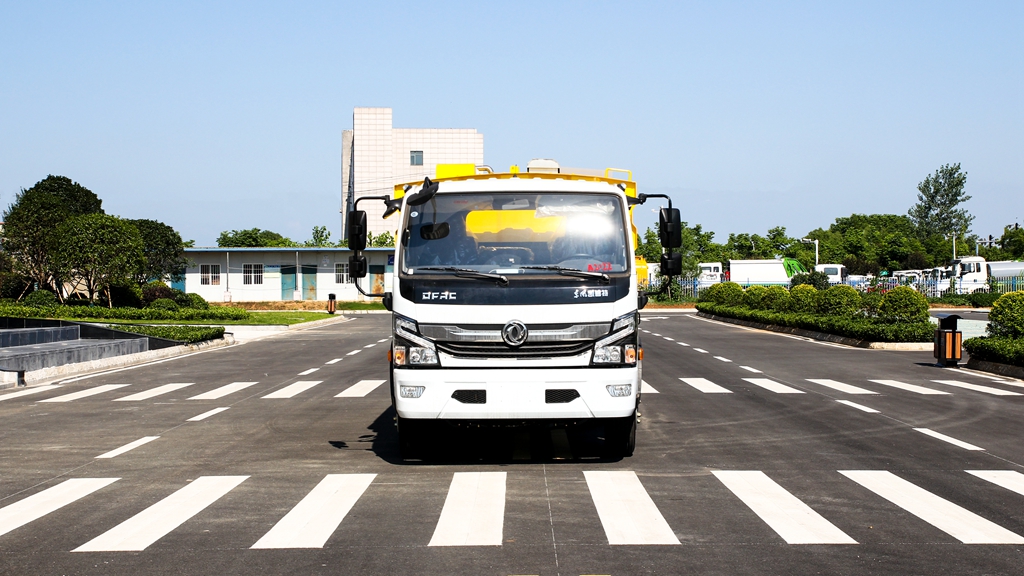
(903,304)
(123,296)
(804,298)
(983,299)
(190,334)
(164,304)
(839,300)
(730,294)
(870,302)
(753,295)
(817,279)
(41,298)
(995,349)
(156,290)
(776,298)
(1007,316)
(15,310)
(861,328)
(198,302)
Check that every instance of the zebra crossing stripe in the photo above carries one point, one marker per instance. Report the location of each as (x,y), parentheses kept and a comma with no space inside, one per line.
(140,531)
(474,511)
(706,386)
(1009,479)
(128,447)
(909,387)
(646,388)
(958,522)
(860,407)
(360,389)
(626,510)
(977,388)
(207,414)
(33,390)
(307,372)
(791,519)
(85,393)
(773,386)
(38,505)
(154,392)
(223,391)
(293,389)
(315,518)
(950,439)
(841,386)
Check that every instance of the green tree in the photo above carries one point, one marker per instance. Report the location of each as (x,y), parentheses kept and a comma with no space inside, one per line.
(32,219)
(321,237)
(253,238)
(382,240)
(1012,241)
(939,195)
(97,251)
(163,252)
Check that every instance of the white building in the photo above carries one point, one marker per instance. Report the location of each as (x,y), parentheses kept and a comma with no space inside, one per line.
(375,156)
(264,274)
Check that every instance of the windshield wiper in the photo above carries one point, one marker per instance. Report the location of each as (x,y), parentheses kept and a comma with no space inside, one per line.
(469,273)
(565,271)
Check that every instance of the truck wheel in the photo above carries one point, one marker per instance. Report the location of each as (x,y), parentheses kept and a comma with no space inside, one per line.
(412,438)
(620,436)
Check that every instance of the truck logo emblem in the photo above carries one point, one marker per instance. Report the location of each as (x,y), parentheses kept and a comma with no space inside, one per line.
(514,333)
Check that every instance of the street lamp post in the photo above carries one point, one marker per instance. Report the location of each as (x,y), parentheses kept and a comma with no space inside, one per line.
(808,241)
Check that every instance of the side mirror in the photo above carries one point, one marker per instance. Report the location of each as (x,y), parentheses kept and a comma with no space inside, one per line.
(357,231)
(668,228)
(641,300)
(357,266)
(671,264)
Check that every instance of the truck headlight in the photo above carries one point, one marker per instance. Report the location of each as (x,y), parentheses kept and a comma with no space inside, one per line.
(619,347)
(410,348)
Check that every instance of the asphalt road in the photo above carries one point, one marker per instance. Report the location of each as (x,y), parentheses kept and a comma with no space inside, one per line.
(745,467)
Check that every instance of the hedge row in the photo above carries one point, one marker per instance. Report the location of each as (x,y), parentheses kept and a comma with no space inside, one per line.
(861,328)
(99,312)
(190,334)
(995,349)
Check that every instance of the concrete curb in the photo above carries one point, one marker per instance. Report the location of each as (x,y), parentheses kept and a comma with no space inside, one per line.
(36,377)
(346,312)
(996,368)
(899,346)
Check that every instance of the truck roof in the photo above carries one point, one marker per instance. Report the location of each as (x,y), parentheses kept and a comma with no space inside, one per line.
(591,181)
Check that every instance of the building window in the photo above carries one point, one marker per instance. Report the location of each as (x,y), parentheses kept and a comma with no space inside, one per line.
(416,158)
(341,273)
(209,274)
(252,273)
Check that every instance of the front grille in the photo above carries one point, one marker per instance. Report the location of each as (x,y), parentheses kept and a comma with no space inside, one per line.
(470,396)
(560,396)
(502,350)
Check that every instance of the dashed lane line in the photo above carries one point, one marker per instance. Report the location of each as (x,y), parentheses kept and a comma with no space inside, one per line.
(701,350)
(722,359)
(749,369)
(335,361)
(353,352)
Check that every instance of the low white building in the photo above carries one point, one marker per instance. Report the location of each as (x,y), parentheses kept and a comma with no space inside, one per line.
(266,274)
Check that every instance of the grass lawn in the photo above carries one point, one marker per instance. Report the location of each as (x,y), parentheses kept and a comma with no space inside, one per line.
(255,318)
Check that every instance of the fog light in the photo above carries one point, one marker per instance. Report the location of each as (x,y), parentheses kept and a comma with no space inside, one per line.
(410,391)
(607,354)
(421,356)
(399,355)
(620,390)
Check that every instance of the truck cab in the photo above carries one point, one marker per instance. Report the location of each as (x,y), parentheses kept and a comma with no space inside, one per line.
(970,274)
(836,273)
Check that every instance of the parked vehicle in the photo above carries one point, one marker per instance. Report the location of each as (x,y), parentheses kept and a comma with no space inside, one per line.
(836,273)
(710,273)
(1005,269)
(748,272)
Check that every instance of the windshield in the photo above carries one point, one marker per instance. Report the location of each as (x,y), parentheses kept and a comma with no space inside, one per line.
(510,232)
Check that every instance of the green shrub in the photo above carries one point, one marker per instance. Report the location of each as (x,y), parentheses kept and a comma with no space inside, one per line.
(776,298)
(127,295)
(753,295)
(995,349)
(983,299)
(804,298)
(730,294)
(903,304)
(41,298)
(198,302)
(156,290)
(839,300)
(859,327)
(870,302)
(190,334)
(952,299)
(1007,316)
(180,298)
(164,304)
(16,310)
(817,279)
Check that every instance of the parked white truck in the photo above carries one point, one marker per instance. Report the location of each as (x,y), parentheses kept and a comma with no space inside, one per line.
(836,273)
(515,302)
(748,272)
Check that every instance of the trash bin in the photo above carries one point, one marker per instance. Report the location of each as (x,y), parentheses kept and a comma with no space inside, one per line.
(948,341)
(332,304)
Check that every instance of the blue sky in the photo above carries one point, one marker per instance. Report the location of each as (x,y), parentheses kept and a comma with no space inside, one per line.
(212,116)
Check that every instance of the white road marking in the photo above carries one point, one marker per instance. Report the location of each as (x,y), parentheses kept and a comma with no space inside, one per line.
(749,369)
(307,372)
(841,386)
(626,510)
(794,521)
(85,393)
(1009,479)
(722,359)
(370,345)
(474,511)
(383,340)
(353,352)
(951,440)
(360,389)
(682,343)
(669,339)
(908,387)
(38,505)
(33,390)
(335,361)
(646,388)
(773,386)
(977,388)
(128,446)
(154,392)
(293,389)
(223,391)
(206,415)
(701,350)
(655,334)
(958,522)
(706,386)
(860,407)
(315,518)
(155,522)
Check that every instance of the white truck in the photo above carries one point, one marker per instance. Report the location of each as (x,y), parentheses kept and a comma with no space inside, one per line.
(836,273)
(749,272)
(710,273)
(515,302)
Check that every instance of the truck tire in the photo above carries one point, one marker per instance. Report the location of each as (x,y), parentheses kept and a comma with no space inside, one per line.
(620,436)
(413,438)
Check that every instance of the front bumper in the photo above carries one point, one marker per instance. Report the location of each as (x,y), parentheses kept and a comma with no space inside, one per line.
(517,394)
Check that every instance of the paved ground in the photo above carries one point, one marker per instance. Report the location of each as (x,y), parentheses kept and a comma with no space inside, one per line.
(760,453)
